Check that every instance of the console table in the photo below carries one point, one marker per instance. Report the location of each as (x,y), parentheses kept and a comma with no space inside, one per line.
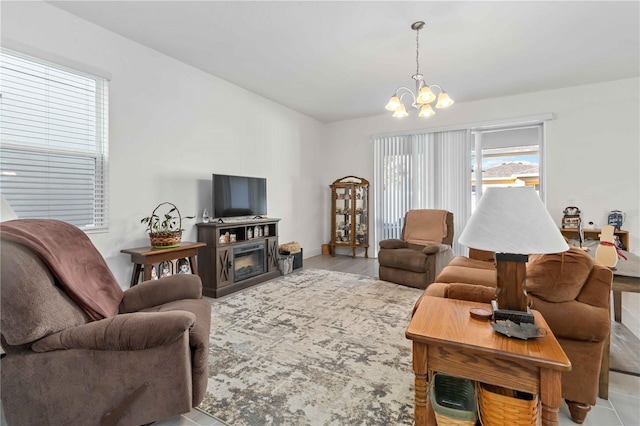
(446,339)
(144,257)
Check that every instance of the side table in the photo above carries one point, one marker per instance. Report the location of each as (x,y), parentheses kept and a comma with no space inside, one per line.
(144,257)
(446,339)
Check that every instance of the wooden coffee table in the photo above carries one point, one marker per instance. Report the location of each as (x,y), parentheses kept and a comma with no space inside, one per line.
(446,339)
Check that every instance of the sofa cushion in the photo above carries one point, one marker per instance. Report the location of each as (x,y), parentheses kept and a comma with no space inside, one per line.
(575,320)
(32,305)
(558,277)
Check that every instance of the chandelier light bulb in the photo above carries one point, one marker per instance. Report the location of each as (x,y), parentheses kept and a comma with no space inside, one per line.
(393,104)
(426,111)
(425,96)
(444,100)
(400,112)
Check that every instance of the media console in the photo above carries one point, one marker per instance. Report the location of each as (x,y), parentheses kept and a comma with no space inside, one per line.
(237,255)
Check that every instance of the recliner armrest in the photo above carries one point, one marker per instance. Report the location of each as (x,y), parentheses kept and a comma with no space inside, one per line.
(125,332)
(435,248)
(393,243)
(148,294)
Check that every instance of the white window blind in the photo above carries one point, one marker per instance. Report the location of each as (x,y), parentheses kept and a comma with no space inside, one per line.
(421,171)
(53,141)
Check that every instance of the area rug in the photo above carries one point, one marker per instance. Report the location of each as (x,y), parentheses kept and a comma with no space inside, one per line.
(314,347)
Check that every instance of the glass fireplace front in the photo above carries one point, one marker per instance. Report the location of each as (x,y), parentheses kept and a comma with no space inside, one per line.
(248,261)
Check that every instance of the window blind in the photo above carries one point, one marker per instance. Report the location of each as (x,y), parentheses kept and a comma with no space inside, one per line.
(421,171)
(53,141)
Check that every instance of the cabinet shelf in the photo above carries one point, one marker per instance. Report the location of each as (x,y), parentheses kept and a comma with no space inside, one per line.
(594,234)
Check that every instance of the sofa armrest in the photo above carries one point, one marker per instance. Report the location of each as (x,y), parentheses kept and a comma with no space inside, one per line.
(125,332)
(471,292)
(393,243)
(148,294)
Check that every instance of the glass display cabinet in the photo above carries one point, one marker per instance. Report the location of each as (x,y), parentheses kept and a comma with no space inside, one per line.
(350,214)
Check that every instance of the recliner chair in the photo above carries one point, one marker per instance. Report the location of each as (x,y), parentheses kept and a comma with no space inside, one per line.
(424,249)
(145,362)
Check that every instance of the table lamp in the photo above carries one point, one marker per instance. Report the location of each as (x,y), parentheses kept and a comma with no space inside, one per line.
(513,223)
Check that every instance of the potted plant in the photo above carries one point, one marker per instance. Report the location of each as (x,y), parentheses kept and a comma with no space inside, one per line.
(165,229)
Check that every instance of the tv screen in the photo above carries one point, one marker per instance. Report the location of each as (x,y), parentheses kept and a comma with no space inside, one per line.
(239,196)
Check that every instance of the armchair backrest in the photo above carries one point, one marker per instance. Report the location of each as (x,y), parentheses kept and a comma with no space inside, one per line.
(32,306)
(74,261)
(423,226)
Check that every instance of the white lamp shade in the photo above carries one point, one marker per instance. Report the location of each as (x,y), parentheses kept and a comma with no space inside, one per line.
(512,220)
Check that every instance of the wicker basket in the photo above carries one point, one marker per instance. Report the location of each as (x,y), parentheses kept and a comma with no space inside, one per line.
(499,406)
(453,400)
(166,239)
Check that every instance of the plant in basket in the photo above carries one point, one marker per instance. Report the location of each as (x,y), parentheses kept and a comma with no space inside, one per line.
(165,225)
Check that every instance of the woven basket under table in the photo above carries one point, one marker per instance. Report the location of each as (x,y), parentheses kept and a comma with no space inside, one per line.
(500,407)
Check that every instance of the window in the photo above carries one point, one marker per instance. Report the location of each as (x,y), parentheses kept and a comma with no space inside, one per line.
(506,157)
(53,141)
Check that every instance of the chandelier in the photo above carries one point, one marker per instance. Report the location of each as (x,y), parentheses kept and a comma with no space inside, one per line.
(423,96)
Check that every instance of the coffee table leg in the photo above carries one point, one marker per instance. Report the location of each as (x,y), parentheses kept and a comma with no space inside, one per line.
(550,396)
(421,371)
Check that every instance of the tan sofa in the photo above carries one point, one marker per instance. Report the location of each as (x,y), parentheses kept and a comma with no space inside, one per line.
(570,290)
(146,361)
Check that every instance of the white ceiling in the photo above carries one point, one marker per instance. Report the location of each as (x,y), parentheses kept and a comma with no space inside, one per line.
(343,59)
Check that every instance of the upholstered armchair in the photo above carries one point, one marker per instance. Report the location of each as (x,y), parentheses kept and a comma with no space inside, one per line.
(424,249)
(79,349)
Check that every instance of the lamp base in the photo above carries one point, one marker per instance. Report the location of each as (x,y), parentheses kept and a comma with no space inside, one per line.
(508,314)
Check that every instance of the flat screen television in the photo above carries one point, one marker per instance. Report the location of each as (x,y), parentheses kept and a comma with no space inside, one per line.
(239,196)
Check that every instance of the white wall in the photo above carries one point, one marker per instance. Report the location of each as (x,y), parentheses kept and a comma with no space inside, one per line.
(592,145)
(172,126)
(592,151)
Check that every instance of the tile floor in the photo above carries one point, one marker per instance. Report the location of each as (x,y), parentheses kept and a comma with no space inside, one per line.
(621,409)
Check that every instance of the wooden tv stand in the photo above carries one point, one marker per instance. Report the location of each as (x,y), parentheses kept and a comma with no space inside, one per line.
(223,265)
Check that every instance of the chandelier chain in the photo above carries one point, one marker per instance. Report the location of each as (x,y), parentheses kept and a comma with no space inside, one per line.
(417,52)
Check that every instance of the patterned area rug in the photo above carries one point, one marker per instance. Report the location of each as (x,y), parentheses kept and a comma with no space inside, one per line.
(312,348)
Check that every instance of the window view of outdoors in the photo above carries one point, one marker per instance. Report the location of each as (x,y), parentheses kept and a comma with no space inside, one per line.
(511,166)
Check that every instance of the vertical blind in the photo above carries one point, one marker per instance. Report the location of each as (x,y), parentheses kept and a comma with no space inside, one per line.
(421,171)
(53,141)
